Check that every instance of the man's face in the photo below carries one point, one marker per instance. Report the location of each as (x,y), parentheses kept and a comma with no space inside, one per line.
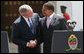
(29,14)
(45,11)
(63,10)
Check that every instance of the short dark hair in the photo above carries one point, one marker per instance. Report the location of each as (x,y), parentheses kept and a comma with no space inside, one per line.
(63,7)
(49,6)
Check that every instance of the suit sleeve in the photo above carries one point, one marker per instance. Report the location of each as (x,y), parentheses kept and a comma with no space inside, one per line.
(16,35)
(63,24)
(40,34)
(39,37)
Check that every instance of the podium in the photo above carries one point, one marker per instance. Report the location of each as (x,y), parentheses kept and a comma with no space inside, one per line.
(60,41)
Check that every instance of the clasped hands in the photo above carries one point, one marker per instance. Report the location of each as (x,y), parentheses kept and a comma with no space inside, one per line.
(32,44)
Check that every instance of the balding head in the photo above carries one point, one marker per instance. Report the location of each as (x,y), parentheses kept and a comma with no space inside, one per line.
(24,9)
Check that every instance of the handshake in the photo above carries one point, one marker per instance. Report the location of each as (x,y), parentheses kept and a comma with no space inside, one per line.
(31,43)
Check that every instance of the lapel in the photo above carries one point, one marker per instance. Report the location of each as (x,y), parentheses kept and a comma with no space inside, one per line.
(33,21)
(54,21)
(45,25)
(24,24)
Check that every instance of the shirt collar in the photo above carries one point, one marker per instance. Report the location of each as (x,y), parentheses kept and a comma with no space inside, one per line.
(25,18)
(51,16)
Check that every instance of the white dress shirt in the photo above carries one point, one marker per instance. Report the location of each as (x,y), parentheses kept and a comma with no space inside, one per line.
(49,19)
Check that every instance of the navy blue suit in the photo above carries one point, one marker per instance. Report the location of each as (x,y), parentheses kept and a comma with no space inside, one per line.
(57,23)
(21,34)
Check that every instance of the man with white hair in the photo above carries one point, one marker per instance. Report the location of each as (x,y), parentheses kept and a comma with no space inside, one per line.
(25,31)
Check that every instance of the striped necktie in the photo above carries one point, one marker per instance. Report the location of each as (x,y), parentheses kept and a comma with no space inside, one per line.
(31,26)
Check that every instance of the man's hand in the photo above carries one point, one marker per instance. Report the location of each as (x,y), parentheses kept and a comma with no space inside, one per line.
(32,43)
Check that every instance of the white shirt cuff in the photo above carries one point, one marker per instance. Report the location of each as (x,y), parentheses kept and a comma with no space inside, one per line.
(27,44)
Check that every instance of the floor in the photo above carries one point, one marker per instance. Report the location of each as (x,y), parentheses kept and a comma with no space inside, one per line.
(14,48)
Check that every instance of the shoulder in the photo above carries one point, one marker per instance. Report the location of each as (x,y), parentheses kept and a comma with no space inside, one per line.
(58,17)
(43,19)
(36,14)
(62,19)
(18,20)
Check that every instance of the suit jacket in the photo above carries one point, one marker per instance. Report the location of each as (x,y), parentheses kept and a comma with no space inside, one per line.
(21,34)
(57,23)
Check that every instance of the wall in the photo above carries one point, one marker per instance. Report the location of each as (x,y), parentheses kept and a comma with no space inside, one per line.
(77,14)
(64,3)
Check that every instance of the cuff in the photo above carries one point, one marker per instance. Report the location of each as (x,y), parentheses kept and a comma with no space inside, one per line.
(27,44)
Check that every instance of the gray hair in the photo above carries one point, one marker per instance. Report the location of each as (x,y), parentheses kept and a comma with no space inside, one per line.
(24,8)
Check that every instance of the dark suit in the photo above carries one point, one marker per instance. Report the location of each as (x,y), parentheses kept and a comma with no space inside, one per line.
(21,34)
(57,23)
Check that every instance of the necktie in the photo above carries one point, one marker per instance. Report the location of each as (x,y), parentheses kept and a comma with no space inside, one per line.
(31,26)
(48,22)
